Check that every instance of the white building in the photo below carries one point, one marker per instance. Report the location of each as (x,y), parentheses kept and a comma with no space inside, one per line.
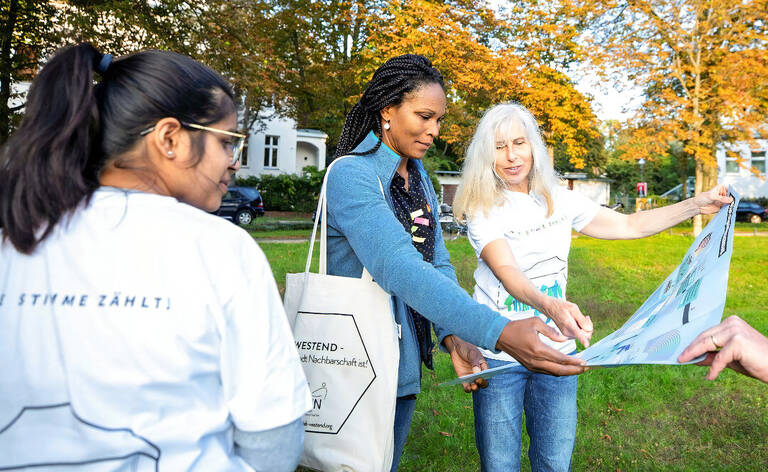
(449,182)
(276,146)
(597,189)
(734,164)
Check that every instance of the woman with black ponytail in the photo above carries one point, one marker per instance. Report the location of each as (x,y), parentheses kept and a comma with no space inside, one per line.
(380,216)
(136,330)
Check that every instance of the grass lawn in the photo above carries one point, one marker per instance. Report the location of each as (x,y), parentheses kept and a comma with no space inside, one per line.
(271,223)
(630,418)
(270,227)
(686,227)
(280,233)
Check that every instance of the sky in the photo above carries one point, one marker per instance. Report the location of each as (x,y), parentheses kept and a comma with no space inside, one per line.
(610,101)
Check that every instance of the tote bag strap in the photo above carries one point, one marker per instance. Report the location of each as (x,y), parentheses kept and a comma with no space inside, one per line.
(321,214)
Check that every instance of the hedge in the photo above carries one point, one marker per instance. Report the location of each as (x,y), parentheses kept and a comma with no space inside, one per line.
(288,192)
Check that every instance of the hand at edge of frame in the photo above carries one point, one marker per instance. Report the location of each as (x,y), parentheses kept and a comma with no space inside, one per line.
(742,348)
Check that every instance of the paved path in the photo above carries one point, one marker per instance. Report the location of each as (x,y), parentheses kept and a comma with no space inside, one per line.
(751,233)
(278,240)
(446,236)
(451,237)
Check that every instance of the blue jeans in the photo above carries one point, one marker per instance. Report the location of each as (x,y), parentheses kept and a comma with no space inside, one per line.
(403,414)
(550,418)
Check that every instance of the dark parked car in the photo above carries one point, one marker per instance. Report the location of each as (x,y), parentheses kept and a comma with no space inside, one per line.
(750,211)
(241,205)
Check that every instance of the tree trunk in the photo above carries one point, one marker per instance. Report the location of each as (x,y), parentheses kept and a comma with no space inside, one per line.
(6,70)
(710,180)
(684,188)
(682,161)
(698,187)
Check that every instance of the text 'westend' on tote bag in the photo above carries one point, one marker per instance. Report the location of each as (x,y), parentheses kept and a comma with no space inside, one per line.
(348,345)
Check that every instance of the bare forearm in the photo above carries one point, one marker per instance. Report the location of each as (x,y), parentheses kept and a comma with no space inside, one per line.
(608,224)
(649,222)
(566,315)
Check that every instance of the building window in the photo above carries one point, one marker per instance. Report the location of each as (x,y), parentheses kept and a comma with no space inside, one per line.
(270,151)
(731,162)
(244,155)
(758,160)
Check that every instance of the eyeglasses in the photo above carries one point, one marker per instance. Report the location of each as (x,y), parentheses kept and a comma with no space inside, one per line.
(234,147)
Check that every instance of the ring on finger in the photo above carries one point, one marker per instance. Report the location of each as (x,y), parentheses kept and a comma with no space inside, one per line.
(714,341)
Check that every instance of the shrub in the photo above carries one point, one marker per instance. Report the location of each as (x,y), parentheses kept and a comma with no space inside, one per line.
(288,192)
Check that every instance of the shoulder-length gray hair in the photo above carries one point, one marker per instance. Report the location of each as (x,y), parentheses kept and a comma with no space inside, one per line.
(481,187)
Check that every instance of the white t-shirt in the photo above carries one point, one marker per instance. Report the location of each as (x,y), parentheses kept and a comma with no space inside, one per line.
(136,335)
(540,246)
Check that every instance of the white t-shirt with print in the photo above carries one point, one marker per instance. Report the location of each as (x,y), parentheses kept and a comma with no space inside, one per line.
(540,246)
(134,338)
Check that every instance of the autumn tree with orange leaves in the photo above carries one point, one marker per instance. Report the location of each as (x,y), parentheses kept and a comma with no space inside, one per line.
(703,66)
(310,59)
(330,49)
(486,59)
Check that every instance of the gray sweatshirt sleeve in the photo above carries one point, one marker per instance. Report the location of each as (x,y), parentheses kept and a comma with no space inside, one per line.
(274,450)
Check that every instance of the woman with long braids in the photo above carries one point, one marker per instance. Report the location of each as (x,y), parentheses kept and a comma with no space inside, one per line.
(137,332)
(381,217)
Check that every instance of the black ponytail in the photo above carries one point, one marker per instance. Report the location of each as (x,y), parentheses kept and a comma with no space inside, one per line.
(71,127)
(390,83)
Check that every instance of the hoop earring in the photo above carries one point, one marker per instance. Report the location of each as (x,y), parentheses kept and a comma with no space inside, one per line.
(386,125)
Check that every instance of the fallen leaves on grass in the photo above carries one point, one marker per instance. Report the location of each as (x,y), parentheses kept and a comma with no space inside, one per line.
(607,436)
(448,435)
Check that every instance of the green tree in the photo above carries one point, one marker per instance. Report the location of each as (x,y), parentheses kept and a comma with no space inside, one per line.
(28,34)
(233,37)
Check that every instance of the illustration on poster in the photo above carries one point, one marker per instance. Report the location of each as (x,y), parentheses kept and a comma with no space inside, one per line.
(690,300)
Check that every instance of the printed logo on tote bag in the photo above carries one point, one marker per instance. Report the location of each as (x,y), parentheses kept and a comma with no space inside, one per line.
(329,353)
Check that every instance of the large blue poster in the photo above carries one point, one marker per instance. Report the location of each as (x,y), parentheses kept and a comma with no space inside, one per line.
(689,301)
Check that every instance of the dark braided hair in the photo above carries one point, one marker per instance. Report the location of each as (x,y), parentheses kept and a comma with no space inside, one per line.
(390,83)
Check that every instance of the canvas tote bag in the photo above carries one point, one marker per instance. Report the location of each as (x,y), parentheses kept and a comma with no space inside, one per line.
(347,340)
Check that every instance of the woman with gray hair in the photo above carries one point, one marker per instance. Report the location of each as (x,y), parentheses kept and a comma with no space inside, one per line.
(519,220)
